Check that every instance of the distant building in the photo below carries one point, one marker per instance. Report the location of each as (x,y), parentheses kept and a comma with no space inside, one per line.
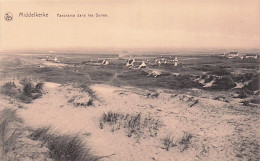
(143,65)
(175,60)
(130,62)
(222,54)
(254,56)
(232,55)
(55,59)
(105,62)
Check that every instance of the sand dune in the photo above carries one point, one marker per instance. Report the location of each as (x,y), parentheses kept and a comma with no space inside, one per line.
(212,123)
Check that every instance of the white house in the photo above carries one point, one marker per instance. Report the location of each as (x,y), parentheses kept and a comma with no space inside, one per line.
(143,65)
(105,62)
(254,56)
(175,60)
(159,62)
(222,54)
(130,62)
(232,55)
(55,59)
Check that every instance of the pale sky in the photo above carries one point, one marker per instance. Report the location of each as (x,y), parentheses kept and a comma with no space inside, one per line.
(132,24)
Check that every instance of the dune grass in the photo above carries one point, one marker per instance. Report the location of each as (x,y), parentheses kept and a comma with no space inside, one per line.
(185,141)
(134,124)
(10,132)
(168,142)
(13,144)
(63,147)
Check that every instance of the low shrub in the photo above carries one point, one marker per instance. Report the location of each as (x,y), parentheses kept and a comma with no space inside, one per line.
(134,124)
(85,88)
(168,142)
(28,89)
(81,101)
(243,77)
(224,83)
(185,141)
(25,94)
(254,83)
(90,102)
(10,89)
(242,94)
(152,95)
(186,138)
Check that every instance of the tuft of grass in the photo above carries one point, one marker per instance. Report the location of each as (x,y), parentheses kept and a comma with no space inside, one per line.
(152,95)
(14,141)
(168,142)
(39,133)
(28,89)
(10,131)
(186,140)
(134,124)
(90,102)
(88,90)
(63,147)
(81,101)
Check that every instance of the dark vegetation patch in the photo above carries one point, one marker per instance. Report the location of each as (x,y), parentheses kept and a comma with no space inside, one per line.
(185,141)
(11,61)
(42,144)
(219,72)
(63,147)
(14,144)
(243,77)
(209,79)
(81,71)
(223,83)
(168,142)
(28,92)
(255,100)
(85,88)
(77,102)
(141,79)
(242,94)
(211,69)
(134,124)
(10,131)
(253,84)
(54,74)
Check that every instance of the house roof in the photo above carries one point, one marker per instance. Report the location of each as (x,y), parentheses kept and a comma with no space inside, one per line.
(233,52)
(251,54)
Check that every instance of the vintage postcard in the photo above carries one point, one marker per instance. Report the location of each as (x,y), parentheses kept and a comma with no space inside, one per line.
(129,80)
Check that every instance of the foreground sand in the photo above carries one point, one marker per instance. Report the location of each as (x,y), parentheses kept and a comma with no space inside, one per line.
(220,130)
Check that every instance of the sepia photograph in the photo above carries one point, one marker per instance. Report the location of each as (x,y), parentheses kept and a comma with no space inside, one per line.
(129,80)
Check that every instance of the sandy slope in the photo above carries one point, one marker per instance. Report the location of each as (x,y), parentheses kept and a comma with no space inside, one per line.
(213,124)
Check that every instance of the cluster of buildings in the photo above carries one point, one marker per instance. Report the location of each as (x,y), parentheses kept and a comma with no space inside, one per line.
(50,58)
(233,55)
(99,62)
(132,62)
(167,61)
